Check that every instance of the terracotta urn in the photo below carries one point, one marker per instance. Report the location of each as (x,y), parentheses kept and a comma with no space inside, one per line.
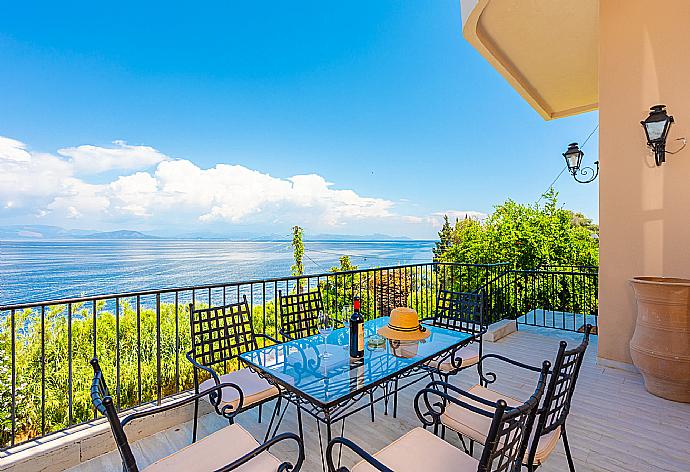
(660,347)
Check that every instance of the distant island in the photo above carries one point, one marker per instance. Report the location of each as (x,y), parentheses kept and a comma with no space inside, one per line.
(47,232)
(37,232)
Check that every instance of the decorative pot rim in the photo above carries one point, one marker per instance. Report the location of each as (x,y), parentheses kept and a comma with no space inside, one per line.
(671,281)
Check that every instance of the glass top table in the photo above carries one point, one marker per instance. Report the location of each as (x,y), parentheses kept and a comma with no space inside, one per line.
(328,382)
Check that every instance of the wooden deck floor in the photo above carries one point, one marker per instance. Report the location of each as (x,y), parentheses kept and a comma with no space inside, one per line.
(614,425)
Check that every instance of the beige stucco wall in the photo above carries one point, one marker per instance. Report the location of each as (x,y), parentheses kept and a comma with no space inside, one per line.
(644,210)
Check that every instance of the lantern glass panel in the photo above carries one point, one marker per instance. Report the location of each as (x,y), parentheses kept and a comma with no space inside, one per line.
(573,160)
(655,129)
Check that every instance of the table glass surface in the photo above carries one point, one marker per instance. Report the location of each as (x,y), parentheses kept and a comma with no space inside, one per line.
(298,364)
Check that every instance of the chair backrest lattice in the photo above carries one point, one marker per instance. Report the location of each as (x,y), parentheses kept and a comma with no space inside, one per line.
(559,393)
(460,311)
(509,432)
(221,333)
(299,314)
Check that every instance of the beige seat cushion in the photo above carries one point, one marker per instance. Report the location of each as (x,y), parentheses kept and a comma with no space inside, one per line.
(217,450)
(420,450)
(254,388)
(468,354)
(475,426)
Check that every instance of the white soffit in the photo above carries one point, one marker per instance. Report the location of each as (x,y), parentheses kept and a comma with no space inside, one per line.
(546,49)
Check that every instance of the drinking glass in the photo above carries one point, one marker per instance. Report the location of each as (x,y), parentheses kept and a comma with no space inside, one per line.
(346,314)
(325,327)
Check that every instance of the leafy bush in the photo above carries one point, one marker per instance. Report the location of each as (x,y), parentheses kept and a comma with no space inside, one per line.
(527,236)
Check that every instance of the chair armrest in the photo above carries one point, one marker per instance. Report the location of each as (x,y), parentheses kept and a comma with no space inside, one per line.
(455,361)
(435,398)
(490,377)
(511,361)
(286,336)
(269,337)
(210,370)
(215,392)
(357,450)
(285,466)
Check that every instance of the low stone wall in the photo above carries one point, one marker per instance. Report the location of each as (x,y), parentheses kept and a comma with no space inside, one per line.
(78,444)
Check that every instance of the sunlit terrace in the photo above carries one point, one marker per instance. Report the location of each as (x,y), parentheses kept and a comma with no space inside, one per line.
(613,424)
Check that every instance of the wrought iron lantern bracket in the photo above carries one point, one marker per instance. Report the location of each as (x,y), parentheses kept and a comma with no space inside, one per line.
(573,159)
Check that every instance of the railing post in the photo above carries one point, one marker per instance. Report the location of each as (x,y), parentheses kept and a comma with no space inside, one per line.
(158,348)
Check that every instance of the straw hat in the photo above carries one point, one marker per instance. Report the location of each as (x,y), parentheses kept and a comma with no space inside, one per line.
(404,325)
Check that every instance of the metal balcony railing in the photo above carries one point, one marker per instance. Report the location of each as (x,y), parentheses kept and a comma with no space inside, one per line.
(142,337)
(45,347)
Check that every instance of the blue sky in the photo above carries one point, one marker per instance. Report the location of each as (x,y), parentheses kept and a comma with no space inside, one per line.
(172,118)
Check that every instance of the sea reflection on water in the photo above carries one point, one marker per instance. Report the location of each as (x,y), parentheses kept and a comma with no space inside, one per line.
(43,270)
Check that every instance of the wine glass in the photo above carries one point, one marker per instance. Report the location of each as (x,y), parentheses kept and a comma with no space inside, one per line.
(325,326)
(346,314)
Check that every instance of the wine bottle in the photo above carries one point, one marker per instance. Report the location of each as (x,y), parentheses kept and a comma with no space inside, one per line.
(356,331)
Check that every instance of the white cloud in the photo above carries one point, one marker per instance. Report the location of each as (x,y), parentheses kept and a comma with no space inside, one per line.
(89,159)
(236,194)
(29,179)
(13,150)
(176,193)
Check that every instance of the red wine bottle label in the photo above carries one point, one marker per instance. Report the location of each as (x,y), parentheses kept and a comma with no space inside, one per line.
(360,337)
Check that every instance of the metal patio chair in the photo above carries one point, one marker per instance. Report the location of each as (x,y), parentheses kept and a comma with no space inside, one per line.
(457,311)
(226,449)
(552,414)
(219,336)
(299,314)
(420,450)
(463,312)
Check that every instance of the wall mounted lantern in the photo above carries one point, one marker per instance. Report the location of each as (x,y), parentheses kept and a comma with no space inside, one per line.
(656,128)
(573,159)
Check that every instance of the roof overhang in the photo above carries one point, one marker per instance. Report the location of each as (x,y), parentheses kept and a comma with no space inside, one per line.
(546,49)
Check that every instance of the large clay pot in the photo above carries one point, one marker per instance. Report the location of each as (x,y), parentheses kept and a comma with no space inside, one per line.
(660,347)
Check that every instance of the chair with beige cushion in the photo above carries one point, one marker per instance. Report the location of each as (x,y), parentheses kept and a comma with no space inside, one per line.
(421,450)
(457,311)
(552,414)
(230,448)
(219,336)
(463,312)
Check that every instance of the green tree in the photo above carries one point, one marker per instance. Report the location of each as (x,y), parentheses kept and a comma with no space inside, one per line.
(297,268)
(444,239)
(528,236)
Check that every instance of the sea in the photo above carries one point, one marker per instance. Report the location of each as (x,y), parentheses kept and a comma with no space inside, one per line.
(40,270)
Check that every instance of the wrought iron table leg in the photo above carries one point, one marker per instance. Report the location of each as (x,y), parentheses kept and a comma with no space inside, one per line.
(342,434)
(276,409)
(323,446)
(280,418)
(299,423)
(386,397)
(371,401)
(395,399)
